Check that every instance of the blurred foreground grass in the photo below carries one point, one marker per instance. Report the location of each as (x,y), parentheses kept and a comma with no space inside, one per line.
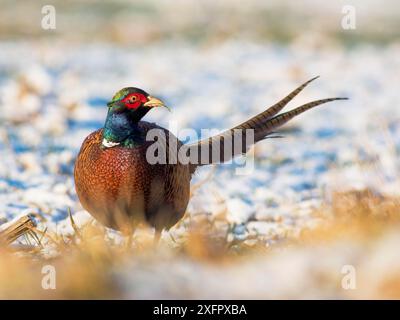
(358,228)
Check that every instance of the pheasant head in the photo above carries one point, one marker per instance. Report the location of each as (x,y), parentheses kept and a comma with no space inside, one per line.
(127,107)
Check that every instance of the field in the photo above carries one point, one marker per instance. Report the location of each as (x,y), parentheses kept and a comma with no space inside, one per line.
(320,203)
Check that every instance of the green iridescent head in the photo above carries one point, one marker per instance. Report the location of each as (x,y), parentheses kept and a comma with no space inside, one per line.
(133,98)
(126,108)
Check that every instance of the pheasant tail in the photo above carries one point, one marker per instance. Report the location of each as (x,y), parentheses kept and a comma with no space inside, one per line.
(236,141)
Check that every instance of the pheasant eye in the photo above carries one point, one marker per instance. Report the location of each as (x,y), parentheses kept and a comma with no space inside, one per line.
(132,101)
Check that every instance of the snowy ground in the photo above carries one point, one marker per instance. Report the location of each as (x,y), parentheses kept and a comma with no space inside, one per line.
(54,96)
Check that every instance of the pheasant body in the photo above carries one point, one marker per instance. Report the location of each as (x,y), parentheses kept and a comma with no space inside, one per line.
(117,184)
(120,189)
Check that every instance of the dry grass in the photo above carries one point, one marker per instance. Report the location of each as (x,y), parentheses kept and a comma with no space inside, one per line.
(90,265)
(22,226)
(359,215)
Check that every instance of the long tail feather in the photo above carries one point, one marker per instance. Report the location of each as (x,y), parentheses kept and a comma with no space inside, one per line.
(282,118)
(273,110)
(262,126)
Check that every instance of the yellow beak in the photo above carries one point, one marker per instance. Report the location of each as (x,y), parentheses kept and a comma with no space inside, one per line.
(153,102)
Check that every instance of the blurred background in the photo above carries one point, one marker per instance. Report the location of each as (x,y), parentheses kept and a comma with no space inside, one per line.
(324,196)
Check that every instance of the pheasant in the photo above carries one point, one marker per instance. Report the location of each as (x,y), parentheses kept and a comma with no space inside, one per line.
(120,188)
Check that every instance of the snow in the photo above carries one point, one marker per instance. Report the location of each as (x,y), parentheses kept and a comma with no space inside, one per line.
(48,110)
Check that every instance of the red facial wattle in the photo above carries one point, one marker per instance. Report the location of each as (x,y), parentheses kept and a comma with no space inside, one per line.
(134,100)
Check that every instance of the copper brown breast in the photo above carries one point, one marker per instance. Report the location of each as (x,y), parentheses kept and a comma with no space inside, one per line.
(121,189)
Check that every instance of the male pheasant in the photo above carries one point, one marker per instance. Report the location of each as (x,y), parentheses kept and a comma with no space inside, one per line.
(118,185)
